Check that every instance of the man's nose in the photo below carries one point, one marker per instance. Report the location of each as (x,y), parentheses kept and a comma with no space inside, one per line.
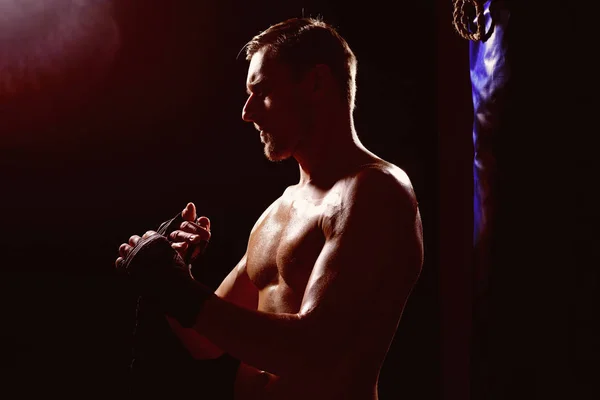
(247,110)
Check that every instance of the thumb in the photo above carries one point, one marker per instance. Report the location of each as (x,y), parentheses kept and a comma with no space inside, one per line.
(189,212)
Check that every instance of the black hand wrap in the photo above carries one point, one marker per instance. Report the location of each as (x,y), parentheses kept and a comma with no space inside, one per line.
(171,225)
(160,274)
(174,224)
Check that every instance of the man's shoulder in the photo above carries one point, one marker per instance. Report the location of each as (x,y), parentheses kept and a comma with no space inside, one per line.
(378,202)
(381,181)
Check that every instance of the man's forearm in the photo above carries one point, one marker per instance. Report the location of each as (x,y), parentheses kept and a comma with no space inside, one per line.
(281,344)
(277,343)
(197,345)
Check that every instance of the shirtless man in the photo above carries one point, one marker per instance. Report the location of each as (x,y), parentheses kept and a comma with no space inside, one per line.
(313,305)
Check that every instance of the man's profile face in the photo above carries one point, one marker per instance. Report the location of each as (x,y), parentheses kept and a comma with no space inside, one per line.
(277,105)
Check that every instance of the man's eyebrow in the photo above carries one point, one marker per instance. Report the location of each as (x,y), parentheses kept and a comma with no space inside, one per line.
(255,86)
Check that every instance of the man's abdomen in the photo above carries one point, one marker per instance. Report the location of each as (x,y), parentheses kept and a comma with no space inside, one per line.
(253,384)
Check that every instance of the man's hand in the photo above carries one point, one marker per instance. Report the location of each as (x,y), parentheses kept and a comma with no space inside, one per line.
(193,234)
(157,271)
(126,248)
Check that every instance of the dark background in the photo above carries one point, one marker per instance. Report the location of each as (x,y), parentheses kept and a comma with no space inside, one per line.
(106,148)
(144,115)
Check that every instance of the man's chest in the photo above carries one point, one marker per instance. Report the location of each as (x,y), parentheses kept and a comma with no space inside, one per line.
(284,246)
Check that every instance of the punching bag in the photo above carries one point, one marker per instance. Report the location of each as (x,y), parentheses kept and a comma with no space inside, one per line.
(490,75)
(534,139)
(485,24)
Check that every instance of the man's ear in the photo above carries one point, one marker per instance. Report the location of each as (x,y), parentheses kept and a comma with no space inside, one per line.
(319,80)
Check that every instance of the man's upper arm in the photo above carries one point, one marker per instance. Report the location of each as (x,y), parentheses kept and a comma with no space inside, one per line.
(237,287)
(373,244)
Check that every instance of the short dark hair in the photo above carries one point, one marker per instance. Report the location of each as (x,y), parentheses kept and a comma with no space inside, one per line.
(303,43)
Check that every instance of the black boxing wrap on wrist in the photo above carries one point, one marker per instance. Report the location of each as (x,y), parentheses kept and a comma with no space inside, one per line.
(159,272)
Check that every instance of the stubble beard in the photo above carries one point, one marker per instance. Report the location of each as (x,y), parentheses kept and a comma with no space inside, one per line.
(273,152)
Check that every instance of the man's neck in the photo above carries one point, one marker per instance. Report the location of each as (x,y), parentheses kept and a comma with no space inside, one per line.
(330,154)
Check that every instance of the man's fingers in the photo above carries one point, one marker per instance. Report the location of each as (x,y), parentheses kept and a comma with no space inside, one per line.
(133,240)
(124,249)
(190,227)
(204,222)
(180,246)
(148,233)
(196,237)
(189,212)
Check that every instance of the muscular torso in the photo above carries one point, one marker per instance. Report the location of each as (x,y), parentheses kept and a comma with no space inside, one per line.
(282,250)
(284,246)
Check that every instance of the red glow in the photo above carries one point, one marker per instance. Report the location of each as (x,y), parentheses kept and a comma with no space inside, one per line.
(45,43)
